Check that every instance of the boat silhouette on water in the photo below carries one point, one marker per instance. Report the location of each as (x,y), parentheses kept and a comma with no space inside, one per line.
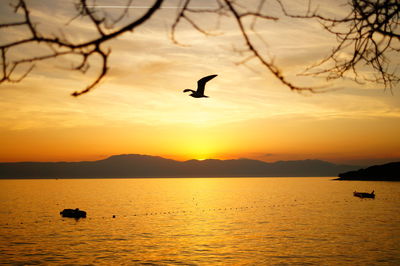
(364,194)
(71,213)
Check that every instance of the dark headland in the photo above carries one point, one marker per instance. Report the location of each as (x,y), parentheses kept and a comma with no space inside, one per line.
(134,165)
(384,172)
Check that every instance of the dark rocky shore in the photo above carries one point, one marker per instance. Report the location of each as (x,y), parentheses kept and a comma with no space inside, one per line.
(384,172)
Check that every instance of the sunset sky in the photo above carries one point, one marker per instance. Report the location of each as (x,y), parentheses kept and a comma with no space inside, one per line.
(140,107)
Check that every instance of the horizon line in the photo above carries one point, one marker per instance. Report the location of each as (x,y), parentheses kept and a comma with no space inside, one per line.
(388,160)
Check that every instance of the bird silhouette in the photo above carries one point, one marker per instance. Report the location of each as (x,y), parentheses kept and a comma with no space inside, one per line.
(201,83)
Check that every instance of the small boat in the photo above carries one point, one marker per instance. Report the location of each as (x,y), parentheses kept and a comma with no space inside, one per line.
(73,213)
(364,194)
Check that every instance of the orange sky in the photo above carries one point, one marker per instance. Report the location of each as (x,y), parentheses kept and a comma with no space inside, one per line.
(140,107)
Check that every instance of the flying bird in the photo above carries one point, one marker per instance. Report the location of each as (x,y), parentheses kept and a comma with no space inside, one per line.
(201,83)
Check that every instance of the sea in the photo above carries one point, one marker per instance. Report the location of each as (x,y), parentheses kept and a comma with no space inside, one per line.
(199,221)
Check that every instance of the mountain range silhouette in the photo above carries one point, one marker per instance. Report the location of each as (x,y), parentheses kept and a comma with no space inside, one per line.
(135,165)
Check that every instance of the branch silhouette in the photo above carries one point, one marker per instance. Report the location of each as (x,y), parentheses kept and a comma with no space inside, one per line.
(62,46)
(367,37)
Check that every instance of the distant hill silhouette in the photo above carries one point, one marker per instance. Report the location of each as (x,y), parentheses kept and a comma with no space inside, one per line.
(134,165)
(384,172)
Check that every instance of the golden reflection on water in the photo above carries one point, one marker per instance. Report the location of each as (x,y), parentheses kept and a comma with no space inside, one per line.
(199,221)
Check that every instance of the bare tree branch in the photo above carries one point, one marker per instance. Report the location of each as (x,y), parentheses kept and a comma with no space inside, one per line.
(366,36)
(61,46)
(269,64)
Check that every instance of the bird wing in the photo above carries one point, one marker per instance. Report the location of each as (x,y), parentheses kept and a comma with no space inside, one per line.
(201,83)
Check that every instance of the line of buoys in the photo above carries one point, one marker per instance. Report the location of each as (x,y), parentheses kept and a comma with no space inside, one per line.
(194,210)
(213,209)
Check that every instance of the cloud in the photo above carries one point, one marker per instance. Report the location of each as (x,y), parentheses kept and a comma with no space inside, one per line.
(268,154)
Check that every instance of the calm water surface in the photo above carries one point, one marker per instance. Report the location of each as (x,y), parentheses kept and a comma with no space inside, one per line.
(199,221)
